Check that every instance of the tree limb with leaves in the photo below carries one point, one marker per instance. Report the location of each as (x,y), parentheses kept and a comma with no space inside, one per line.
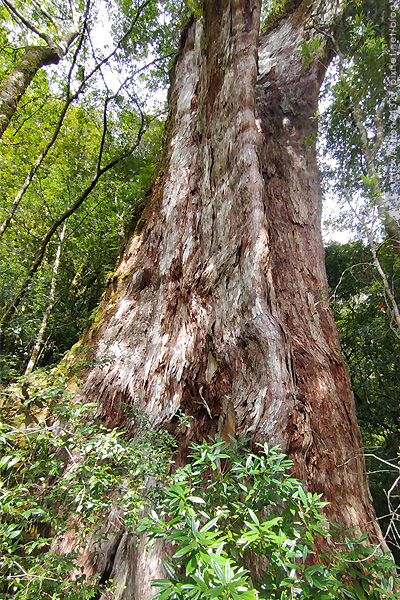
(36,57)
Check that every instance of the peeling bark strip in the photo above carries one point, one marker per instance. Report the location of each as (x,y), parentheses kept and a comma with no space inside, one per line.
(219,306)
(18,81)
(192,280)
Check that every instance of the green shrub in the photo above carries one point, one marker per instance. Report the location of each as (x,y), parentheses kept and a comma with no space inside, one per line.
(228,507)
(61,469)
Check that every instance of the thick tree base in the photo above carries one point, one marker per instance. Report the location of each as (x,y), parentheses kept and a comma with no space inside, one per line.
(219,307)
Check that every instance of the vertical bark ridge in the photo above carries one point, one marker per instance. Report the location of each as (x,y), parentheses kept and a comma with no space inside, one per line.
(196,295)
(321,435)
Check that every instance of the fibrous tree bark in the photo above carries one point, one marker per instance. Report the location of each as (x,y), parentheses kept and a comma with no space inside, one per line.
(219,306)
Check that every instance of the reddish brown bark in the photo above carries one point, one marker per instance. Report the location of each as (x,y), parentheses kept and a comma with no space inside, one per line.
(219,306)
(321,433)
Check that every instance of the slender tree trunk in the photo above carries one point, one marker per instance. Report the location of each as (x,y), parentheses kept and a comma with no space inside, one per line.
(36,165)
(220,306)
(16,84)
(43,326)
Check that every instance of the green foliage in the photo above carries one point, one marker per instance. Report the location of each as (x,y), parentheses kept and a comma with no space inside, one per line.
(100,125)
(370,346)
(158,35)
(371,349)
(228,508)
(309,50)
(360,160)
(195,7)
(272,10)
(95,234)
(363,81)
(62,469)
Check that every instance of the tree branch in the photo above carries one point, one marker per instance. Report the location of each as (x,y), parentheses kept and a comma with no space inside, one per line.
(104,133)
(70,99)
(73,11)
(10,310)
(378,121)
(14,12)
(391,304)
(39,161)
(47,16)
(39,339)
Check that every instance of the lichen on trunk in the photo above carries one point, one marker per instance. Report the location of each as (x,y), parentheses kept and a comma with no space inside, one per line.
(219,306)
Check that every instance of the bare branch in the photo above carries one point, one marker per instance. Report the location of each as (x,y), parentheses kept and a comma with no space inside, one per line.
(38,162)
(118,46)
(70,99)
(104,133)
(391,304)
(79,46)
(96,59)
(43,101)
(52,294)
(349,269)
(73,11)
(390,224)
(41,157)
(378,121)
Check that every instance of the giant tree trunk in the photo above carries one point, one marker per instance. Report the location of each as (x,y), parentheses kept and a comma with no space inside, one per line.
(219,306)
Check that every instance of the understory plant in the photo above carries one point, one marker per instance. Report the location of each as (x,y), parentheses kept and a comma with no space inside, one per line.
(243,529)
(241,526)
(62,469)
